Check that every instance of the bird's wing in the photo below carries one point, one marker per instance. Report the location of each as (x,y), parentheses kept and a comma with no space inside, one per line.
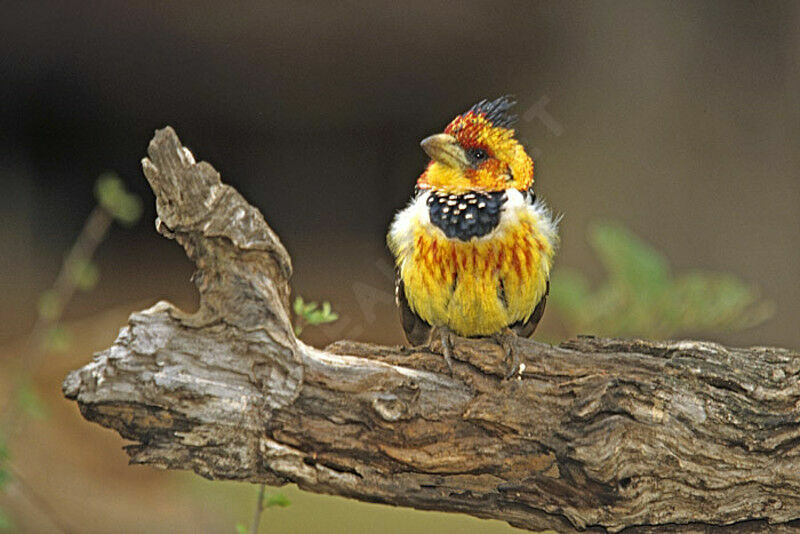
(527,328)
(416,329)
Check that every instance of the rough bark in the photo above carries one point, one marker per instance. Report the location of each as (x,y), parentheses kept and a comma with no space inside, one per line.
(600,434)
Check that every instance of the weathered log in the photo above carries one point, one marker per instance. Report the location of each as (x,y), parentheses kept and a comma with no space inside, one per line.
(600,434)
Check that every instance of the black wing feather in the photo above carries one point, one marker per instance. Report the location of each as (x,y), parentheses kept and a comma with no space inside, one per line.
(527,328)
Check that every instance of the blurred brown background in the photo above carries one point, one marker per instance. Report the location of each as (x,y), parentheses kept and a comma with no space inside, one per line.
(680,119)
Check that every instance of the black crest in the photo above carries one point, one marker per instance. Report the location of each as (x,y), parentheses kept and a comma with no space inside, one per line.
(498,112)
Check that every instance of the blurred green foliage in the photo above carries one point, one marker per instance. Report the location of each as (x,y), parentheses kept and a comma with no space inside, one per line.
(84,274)
(5,522)
(29,401)
(57,339)
(642,297)
(78,272)
(309,313)
(5,476)
(276,499)
(49,306)
(269,500)
(111,194)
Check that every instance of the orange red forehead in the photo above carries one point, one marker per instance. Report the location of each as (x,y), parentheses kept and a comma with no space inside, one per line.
(473,130)
(507,166)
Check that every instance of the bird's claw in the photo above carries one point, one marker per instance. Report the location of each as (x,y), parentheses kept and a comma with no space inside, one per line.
(515,367)
(507,340)
(447,349)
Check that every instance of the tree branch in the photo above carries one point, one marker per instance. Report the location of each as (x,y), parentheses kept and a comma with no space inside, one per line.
(595,433)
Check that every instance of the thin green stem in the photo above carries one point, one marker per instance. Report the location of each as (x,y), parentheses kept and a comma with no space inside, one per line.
(258,510)
(64,287)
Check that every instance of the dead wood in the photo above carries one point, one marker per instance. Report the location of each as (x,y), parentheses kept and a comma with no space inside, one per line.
(599,434)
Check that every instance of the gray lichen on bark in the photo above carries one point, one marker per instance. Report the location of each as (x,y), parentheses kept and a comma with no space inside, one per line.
(600,434)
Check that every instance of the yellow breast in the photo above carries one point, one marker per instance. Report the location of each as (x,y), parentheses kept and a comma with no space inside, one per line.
(480,286)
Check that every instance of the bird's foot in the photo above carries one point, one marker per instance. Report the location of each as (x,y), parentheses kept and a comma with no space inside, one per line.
(508,340)
(447,347)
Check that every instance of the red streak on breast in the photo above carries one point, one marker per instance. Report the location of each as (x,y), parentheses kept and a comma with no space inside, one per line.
(488,262)
(516,263)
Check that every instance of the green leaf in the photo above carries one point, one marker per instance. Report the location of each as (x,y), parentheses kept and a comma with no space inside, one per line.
(321,316)
(298,306)
(719,302)
(5,476)
(276,499)
(57,339)
(310,313)
(5,521)
(241,529)
(111,194)
(640,296)
(29,401)
(629,261)
(50,306)
(85,275)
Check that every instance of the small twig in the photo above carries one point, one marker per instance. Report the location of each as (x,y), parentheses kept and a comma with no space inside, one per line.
(92,234)
(64,287)
(113,204)
(258,510)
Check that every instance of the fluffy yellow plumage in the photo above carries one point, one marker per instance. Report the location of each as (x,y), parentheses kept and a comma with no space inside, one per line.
(478,287)
(474,248)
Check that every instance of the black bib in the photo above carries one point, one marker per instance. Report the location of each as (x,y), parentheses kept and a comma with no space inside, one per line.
(468,215)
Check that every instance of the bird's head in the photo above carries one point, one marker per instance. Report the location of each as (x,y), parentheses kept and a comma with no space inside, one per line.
(478,151)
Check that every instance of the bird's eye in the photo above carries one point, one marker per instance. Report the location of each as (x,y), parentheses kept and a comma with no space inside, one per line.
(477,154)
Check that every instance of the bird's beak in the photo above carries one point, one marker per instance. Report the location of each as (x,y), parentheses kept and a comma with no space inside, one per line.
(445,149)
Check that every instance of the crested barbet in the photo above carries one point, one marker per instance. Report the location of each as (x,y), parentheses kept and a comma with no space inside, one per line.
(474,247)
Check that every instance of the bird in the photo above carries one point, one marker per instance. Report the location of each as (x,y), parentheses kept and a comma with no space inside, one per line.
(474,247)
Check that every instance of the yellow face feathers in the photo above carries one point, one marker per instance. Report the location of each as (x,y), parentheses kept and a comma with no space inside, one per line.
(477,151)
